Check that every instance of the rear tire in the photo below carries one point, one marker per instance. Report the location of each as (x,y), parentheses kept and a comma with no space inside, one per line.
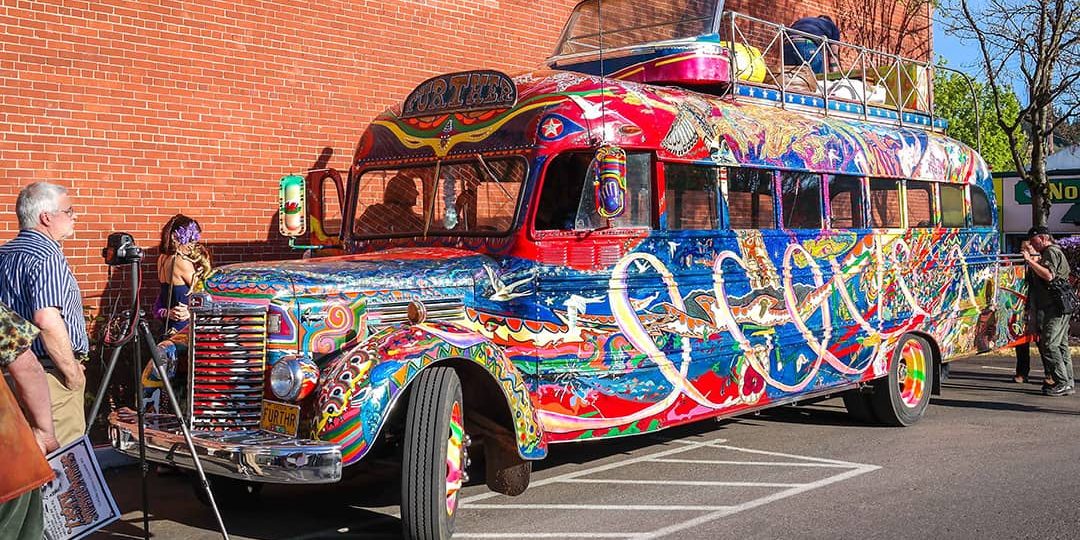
(859,406)
(434,457)
(901,398)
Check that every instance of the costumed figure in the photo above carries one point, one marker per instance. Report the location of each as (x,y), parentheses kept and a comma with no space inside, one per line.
(183,263)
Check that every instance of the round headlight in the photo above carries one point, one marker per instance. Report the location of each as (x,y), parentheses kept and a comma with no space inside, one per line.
(292,379)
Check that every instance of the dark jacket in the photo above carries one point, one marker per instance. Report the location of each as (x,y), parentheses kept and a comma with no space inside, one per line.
(1038,289)
(817,26)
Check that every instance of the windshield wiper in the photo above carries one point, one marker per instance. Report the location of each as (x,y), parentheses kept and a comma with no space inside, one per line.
(435,194)
(493,177)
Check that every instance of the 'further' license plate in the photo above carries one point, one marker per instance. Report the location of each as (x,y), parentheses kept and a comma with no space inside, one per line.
(280,417)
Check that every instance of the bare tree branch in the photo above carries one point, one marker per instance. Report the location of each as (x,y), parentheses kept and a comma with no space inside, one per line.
(1034,44)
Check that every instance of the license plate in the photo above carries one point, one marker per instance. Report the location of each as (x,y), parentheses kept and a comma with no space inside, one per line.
(280,417)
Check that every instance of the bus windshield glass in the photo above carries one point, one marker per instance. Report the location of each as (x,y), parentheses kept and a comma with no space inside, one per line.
(477,196)
(629,22)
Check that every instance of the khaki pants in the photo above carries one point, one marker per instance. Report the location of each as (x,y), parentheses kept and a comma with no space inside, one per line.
(68,411)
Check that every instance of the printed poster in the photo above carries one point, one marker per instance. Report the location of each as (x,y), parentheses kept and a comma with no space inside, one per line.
(78,502)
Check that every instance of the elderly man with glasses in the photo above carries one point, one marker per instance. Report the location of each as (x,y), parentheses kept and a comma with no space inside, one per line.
(37,283)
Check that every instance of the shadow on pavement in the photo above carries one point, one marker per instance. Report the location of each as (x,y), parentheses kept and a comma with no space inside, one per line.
(280,511)
(1002,405)
(818,414)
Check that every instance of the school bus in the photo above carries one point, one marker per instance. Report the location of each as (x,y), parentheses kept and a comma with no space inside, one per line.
(667,224)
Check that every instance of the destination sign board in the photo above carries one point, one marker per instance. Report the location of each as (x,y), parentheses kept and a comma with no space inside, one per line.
(461,92)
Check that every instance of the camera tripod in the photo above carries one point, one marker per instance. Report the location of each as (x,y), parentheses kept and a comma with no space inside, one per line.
(133,327)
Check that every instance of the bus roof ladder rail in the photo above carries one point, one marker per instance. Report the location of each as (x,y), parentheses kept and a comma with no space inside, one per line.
(868,84)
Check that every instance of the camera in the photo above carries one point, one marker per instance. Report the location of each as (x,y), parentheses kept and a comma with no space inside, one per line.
(120,249)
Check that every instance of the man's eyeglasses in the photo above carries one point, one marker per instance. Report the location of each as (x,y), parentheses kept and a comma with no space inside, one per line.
(70,211)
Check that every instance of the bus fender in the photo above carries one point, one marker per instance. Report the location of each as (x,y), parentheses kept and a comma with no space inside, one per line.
(360,389)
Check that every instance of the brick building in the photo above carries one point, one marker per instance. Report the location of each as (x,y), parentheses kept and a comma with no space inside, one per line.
(149,108)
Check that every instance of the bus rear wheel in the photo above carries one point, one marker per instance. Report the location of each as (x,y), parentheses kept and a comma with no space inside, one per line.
(434,458)
(901,398)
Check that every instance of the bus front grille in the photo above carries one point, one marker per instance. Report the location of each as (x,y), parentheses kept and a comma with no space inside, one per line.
(228,358)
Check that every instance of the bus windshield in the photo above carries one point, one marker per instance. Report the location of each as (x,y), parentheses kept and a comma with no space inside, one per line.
(477,196)
(629,22)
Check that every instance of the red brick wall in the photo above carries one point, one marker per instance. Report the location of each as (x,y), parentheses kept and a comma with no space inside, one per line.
(144,109)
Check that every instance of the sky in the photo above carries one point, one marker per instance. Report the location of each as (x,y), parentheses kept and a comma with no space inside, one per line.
(963,56)
(959,56)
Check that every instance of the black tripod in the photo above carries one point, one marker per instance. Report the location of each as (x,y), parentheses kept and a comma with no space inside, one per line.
(133,326)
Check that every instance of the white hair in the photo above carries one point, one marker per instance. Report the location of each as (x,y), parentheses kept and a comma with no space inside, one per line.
(34,199)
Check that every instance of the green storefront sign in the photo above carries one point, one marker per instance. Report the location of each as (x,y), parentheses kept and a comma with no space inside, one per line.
(1062,190)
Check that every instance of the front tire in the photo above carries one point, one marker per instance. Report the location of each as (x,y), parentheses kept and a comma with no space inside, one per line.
(901,398)
(434,460)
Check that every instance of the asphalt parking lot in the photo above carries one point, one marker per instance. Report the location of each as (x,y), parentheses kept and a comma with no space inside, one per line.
(991,459)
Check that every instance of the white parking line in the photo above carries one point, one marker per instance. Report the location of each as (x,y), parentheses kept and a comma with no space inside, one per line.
(713,512)
(753,504)
(718,444)
(999,368)
(687,446)
(719,483)
(642,507)
(765,463)
(519,536)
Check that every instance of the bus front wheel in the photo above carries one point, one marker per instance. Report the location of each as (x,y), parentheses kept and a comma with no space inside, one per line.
(901,398)
(434,458)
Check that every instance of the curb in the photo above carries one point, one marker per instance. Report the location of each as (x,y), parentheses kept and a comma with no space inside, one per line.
(1074,351)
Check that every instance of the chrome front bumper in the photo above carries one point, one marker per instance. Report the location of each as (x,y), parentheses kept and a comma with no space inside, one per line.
(256,456)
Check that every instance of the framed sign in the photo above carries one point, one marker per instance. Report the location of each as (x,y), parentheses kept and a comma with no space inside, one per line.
(479,90)
(78,501)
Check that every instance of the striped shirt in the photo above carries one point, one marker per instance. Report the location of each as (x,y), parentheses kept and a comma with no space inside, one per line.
(34,274)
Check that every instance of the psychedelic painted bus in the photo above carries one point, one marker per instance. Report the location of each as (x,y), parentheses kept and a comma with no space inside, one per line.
(685,229)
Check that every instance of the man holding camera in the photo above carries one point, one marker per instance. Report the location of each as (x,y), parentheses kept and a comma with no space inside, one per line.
(1046,261)
(36,282)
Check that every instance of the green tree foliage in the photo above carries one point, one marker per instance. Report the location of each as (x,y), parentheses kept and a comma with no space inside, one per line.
(954,102)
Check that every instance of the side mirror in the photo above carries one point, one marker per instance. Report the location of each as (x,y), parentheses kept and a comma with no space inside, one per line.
(292,207)
(608,169)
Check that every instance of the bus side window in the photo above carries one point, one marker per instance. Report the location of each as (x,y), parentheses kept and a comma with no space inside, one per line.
(952,206)
(846,203)
(567,201)
(981,214)
(331,207)
(800,200)
(920,210)
(750,199)
(691,193)
(884,203)
(561,194)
